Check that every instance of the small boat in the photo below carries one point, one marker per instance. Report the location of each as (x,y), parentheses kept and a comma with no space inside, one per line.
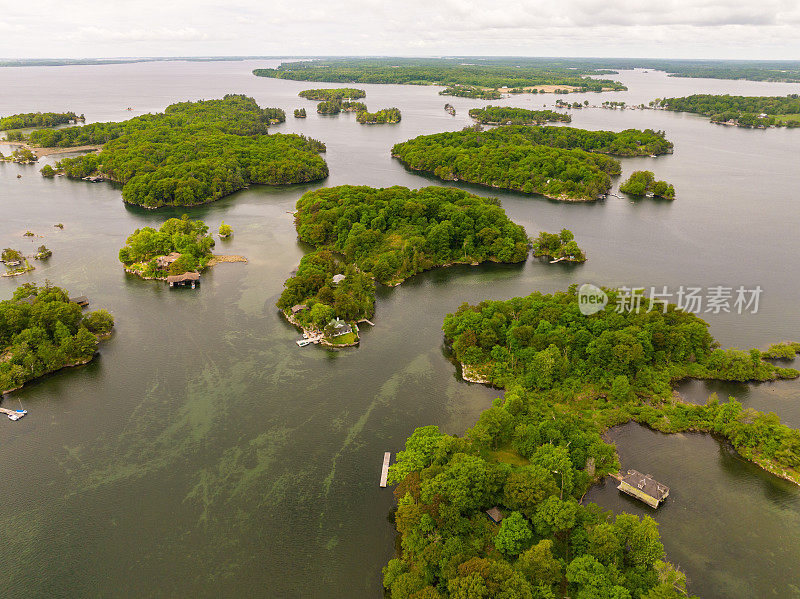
(300,342)
(16,414)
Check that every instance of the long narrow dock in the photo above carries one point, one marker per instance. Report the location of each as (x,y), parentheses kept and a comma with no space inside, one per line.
(16,414)
(387,457)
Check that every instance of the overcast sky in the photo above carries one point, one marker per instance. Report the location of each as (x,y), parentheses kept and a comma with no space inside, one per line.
(634,28)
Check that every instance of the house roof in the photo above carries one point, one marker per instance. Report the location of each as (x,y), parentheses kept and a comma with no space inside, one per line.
(187,276)
(338,278)
(646,484)
(495,514)
(298,308)
(168,259)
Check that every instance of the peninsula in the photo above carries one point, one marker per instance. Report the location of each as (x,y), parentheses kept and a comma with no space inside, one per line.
(562,163)
(741,111)
(36,119)
(42,331)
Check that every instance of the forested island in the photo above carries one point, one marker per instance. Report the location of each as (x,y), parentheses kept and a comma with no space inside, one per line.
(388,235)
(299,113)
(558,246)
(37,119)
(743,111)
(192,153)
(562,163)
(530,458)
(490,74)
(42,331)
(508,115)
(15,262)
(643,183)
(470,91)
(333,95)
(385,115)
(180,245)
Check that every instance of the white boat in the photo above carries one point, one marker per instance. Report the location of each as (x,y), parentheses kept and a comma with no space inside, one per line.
(300,342)
(17,414)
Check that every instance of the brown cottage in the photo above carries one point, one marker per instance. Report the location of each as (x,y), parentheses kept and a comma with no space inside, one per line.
(298,308)
(166,261)
(644,487)
(495,515)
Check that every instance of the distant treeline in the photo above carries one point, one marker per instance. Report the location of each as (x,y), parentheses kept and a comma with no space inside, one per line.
(508,115)
(193,152)
(437,72)
(745,111)
(37,119)
(558,162)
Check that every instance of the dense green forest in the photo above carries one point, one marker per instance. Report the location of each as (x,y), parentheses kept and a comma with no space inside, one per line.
(353,107)
(192,153)
(470,91)
(391,234)
(643,183)
(332,95)
(41,331)
(508,115)
(188,238)
(439,72)
(299,113)
(745,111)
(38,119)
(558,162)
(385,115)
(329,107)
(559,246)
(534,454)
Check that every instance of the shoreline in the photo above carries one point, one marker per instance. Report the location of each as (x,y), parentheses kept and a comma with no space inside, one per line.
(313,332)
(70,365)
(42,152)
(214,261)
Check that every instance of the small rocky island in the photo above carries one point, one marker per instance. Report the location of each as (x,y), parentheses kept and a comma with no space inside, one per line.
(644,184)
(558,247)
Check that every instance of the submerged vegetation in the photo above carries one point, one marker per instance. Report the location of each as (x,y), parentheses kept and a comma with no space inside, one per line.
(192,153)
(41,331)
(533,455)
(385,115)
(389,235)
(559,246)
(744,111)
(562,163)
(508,115)
(643,183)
(180,245)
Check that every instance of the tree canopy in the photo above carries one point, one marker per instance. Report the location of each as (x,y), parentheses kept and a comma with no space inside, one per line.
(642,183)
(558,162)
(340,93)
(193,152)
(37,119)
(385,115)
(560,246)
(41,331)
(509,115)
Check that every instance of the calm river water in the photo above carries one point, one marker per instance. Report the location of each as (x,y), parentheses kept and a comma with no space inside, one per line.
(205,454)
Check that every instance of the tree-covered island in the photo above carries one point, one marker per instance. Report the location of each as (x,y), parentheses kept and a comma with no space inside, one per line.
(333,95)
(363,234)
(180,245)
(508,115)
(192,153)
(471,91)
(385,115)
(742,111)
(558,247)
(643,183)
(42,331)
(299,113)
(499,513)
(562,163)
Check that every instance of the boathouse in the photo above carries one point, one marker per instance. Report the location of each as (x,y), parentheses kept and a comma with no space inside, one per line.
(187,278)
(495,515)
(644,487)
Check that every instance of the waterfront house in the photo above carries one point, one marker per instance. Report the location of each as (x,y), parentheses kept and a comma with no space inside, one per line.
(298,308)
(644,487)
(339,327)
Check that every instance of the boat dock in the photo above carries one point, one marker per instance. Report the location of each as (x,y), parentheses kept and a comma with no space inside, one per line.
(387,457)
(16,414)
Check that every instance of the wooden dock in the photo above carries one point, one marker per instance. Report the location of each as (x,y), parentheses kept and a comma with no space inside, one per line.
(387,457)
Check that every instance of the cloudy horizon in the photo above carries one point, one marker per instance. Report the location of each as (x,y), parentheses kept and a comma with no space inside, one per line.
(716,29)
